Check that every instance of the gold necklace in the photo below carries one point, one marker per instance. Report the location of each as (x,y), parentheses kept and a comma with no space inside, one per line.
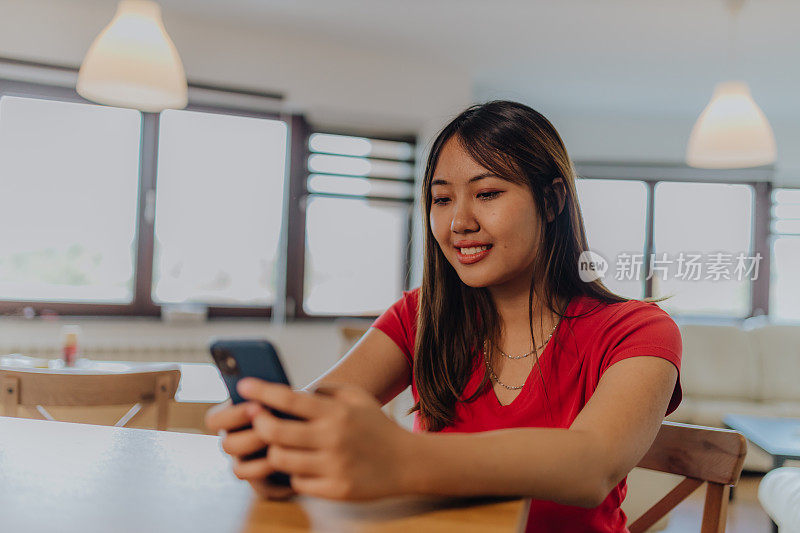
(494,377)
(492,374)
(523,356)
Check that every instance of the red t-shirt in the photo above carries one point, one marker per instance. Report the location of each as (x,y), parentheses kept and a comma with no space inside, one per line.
(586,346)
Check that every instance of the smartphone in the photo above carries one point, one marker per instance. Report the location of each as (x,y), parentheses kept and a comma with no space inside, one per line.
(237,359)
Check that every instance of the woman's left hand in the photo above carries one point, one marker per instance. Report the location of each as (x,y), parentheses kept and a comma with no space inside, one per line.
(344,447)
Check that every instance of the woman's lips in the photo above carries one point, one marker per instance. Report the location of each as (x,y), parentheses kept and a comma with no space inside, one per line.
(469,259)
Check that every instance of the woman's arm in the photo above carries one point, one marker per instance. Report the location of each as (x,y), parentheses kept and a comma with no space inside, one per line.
(375,363)
(575,466)
(348,450)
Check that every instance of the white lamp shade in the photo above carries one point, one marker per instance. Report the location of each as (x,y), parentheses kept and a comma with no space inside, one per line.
(133,62)
(732,131)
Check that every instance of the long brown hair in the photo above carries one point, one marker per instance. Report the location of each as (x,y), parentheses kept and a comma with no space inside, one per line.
(518,144)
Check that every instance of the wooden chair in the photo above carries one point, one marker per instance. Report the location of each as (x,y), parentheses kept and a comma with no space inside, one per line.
(703,455)
(44,387)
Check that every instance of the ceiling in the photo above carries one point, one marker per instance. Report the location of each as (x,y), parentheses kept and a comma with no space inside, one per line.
(636,57)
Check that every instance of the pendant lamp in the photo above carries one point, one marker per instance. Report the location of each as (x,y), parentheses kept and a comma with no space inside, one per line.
(732,131)
(133,62)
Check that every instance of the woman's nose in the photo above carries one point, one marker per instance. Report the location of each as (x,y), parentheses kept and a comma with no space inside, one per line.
(463,220)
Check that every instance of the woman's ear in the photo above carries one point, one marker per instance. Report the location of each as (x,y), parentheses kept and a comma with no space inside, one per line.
(557,196)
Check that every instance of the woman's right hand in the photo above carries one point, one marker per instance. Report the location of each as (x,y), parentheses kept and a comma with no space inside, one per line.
(227,421)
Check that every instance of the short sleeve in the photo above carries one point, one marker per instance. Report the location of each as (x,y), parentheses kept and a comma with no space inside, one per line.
(399,322)
(644,329)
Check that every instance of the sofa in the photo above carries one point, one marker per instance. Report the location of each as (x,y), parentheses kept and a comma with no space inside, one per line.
(751,369)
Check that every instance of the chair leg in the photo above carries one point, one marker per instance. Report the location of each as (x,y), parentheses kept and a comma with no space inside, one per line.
(10,396)
(162,402)
(679,493)
(715,511)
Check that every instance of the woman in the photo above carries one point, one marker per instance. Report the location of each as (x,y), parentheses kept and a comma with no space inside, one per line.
(528,380)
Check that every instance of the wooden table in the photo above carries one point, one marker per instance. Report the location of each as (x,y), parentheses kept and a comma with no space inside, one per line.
(57,476)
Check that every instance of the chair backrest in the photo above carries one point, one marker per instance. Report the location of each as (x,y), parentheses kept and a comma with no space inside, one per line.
(703,455)
(45,387)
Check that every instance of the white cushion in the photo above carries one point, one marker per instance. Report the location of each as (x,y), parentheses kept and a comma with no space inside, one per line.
(779,494)
(719,362)
(778,348)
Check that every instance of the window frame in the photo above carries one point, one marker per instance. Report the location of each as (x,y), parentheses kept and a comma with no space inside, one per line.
(773,236)
(295,289)
(760,179)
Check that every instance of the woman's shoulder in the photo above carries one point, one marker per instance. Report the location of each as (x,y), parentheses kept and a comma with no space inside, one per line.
(603,311)
(613,331)
(596,317)
(625,321)
(399,322)
(411,295)
(408,304)
(402,314)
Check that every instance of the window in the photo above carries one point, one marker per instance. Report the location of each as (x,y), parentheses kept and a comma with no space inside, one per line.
(785,245)
(697,236)
(219,208)
(615,214)
(69,173)
(85,229)
(358,209)
(113,211)
(711,222)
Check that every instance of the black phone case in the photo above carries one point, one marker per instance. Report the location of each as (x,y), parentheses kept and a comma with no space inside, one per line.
(253,358)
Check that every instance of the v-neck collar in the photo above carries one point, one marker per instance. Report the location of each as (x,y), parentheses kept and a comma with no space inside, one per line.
(544,358)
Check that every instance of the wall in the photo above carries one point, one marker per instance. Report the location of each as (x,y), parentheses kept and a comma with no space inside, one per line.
(655,137)
(308,349)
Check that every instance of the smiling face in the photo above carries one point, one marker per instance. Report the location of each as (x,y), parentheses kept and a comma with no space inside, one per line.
(487,227)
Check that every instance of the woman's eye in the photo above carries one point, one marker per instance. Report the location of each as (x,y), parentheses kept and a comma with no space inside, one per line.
(488,195)
(440,200)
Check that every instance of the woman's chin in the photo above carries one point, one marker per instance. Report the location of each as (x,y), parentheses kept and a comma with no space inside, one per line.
(479,275)
(476,280)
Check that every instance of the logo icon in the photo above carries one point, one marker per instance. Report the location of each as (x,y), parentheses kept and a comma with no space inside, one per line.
(591,266)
